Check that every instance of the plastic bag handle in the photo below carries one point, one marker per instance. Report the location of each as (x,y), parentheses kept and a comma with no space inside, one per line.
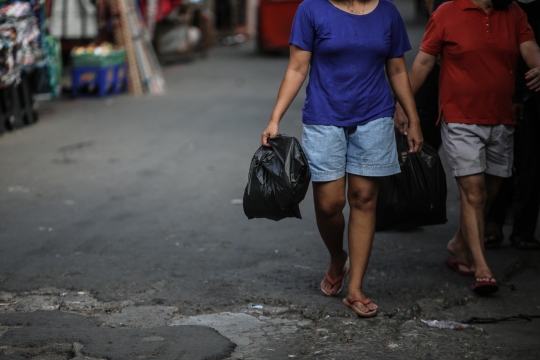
(402,148)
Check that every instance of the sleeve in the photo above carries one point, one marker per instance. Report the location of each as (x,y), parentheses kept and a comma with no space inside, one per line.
(525,31)
(302,32)
(438,3)
(431,42)
(399,40)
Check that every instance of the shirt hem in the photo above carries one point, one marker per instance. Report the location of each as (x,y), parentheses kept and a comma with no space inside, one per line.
(447,119)
(349,122)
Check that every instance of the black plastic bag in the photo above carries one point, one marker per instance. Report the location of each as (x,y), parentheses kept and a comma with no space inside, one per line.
(416,196)
(278,180)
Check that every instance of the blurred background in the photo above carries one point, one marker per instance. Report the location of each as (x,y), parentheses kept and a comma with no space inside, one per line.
(51,49)
(128,128)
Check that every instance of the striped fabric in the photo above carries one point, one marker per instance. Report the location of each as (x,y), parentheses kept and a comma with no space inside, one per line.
(74,19)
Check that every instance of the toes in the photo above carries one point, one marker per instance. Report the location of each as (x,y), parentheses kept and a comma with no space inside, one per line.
(328,287)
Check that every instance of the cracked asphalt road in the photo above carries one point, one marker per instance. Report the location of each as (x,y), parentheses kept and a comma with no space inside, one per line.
(117,222)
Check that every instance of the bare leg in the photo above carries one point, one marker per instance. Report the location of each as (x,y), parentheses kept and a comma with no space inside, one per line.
(362,197)
(477,192)
(329,203)
(457,246)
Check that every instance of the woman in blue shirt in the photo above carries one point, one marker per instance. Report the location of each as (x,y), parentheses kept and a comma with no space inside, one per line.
(349,48)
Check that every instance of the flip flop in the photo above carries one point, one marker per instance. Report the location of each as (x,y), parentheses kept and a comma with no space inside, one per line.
(351,304)
(485,287)
(340,279)
(453,263)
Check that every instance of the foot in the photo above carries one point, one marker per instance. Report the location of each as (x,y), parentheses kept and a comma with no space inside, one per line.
(363,305)
(334,271)
(525,242)
(458,266)
(483,273)
(485,286)
(458,248)
(493,235)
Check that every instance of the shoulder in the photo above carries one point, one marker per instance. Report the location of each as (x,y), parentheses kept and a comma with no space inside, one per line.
(447,6)
(514,8)
(310,8)
(389,7)
(387,11)
(312,5)
(313,11)
(446,11)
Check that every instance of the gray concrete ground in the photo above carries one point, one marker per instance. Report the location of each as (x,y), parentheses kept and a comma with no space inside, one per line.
(119,240)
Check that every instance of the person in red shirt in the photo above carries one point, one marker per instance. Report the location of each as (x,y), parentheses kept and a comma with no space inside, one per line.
(479,42)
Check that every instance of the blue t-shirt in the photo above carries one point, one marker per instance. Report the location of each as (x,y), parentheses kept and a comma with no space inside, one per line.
(347,83)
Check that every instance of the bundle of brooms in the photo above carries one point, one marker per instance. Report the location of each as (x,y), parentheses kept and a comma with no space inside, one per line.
(145,74)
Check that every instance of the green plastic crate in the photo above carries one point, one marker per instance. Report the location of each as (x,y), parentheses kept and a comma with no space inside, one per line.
(114,57)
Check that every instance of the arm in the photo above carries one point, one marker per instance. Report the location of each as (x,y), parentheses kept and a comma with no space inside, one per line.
(429,5)
(422,66)
(396,70)
(531,54)
(295,75)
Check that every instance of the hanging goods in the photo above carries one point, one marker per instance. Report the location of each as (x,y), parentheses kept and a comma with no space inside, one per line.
(74,19)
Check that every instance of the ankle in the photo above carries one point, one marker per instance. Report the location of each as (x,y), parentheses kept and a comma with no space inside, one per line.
(354,291)
(339,257)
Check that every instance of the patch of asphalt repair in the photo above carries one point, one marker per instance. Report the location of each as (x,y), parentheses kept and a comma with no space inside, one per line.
(258,331)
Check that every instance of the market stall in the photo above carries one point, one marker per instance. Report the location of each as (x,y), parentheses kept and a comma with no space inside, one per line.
(95,48)
(28,61)
(108,43)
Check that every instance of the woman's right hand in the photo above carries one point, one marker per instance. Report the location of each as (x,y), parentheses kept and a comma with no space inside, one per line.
(271,131)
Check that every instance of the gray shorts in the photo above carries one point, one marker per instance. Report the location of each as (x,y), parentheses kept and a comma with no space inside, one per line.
(473,149)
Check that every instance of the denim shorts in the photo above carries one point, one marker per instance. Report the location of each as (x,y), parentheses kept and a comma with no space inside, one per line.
(365,150)
(473,149)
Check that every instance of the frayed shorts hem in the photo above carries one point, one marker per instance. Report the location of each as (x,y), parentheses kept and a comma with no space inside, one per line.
(360,170)
(373,170)
(323,176)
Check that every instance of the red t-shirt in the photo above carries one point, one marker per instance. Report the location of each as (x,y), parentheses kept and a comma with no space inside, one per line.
(479,53)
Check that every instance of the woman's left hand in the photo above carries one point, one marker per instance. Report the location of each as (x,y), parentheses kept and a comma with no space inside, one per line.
(415,138)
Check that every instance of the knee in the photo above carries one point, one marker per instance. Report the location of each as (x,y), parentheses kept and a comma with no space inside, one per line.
(476,197)
(329,208)
(363,200)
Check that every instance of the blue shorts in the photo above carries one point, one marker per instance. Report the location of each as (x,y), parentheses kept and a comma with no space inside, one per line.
(365,150)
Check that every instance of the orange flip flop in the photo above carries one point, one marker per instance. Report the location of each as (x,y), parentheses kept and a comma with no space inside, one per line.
(485,286)
(453,263)
(340,279)
(358,310)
